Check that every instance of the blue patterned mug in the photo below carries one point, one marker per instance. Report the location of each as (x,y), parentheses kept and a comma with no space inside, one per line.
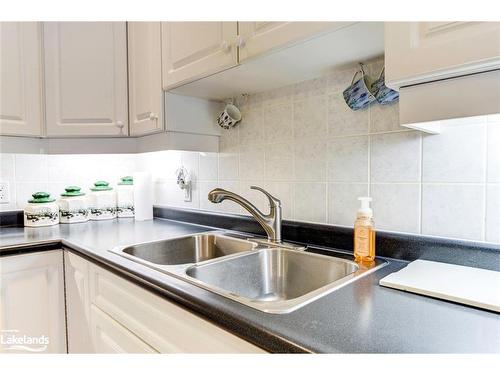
(358,95)
(382,93)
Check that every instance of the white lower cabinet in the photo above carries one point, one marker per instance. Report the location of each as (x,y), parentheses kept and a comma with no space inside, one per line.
(32,318)
(111,337)
(107,313)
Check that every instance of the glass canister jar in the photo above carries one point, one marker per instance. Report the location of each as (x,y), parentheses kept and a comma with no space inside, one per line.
(102,201)
(125,197)
(73,206)
(41,211)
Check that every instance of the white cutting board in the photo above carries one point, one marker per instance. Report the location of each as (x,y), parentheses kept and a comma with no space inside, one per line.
(467,285)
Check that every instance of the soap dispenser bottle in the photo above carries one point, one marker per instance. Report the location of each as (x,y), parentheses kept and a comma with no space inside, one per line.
(364,233)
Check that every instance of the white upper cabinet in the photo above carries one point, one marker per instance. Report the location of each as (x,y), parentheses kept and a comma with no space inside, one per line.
(145,86)
(256,38)
(86,78)
(417,52)
(20,79)
(194,50)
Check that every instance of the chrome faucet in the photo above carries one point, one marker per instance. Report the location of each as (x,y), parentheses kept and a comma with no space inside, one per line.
(271,223)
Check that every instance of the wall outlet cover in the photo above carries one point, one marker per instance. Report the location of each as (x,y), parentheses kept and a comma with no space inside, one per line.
(4,192)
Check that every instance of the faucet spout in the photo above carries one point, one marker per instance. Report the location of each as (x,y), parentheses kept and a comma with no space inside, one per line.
(271,223)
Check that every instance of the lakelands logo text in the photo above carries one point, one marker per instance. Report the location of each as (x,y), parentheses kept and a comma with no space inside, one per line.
(10,339)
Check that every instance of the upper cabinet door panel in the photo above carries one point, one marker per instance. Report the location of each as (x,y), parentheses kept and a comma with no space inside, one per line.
(86,78)
(417,52)
(261,37)
(20,79)
(145,86)
(192,50)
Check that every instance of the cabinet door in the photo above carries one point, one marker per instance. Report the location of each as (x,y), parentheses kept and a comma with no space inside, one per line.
(76,271)
(111,337)
(86,78)
(261,37)
(32,302)
(160,323)
(20,79)
(193,50)
(418,52)
(145,86)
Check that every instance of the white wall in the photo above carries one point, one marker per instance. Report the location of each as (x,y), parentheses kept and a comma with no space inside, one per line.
(303,144)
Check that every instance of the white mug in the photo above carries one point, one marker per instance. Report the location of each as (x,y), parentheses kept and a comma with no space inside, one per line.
(229,117)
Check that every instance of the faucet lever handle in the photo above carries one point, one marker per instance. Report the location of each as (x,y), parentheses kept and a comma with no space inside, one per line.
(273,201)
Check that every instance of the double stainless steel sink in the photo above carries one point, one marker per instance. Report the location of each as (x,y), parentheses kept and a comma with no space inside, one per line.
(270,279)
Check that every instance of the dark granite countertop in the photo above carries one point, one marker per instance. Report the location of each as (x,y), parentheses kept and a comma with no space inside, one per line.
(360,317)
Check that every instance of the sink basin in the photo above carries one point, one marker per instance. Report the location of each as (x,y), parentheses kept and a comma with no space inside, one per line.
(273,280)
(190,249)
(276,280)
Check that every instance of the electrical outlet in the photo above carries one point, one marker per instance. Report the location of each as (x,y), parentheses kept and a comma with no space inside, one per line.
(4,192)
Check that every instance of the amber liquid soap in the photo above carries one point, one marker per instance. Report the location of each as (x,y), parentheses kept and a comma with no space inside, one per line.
(364,233)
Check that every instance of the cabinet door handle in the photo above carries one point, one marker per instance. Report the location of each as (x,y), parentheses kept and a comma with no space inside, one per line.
(240,42)
(225,46)
(153,116)
(120,125)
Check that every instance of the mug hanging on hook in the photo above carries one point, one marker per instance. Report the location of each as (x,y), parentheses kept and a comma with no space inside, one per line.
(382,93)
(357,95)
(229,117)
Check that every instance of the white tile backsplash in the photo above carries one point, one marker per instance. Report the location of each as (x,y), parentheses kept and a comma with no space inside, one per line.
(455,155)
(397,207)
(396,157)
(493,213)
(453,210)
(348,159)
(303,144)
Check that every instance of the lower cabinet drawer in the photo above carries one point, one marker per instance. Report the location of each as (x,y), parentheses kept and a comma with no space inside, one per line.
(161,324)
(109,336)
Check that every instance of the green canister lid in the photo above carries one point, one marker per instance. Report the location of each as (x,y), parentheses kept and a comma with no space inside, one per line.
(41,197)
(127,180)
(72,191)
(101,186)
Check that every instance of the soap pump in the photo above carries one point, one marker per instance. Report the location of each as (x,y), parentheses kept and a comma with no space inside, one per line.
(364,233)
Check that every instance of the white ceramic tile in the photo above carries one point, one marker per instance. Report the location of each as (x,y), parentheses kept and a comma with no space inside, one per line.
(228,139)
(252,161)
(310,202)
(257,198)
(279,162)
(7,167)
(453,211)
(339,80)
(455,155)
(310,159)
(31,168)
(24,191)
(278,96)
(229,165)
(493,213)
(493,161)
(344,121)
(209,166)
(278,123)
(284,192)
(343,202)
(309,118)
(384,118)
(348,159)
(396,207)
(310,88)
(251,127)
(190,161)
(168,193)
(396,157)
